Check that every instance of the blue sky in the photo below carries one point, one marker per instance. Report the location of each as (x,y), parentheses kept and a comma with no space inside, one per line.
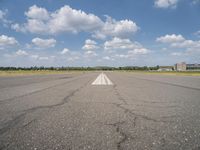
(100,32)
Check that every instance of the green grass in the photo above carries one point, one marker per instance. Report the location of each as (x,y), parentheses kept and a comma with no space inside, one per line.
(35,72)
(47,72)
(183,73)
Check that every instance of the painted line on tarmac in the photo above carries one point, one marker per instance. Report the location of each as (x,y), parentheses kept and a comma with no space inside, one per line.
(102,79)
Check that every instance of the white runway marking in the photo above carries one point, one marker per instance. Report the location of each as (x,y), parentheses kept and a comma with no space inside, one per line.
(102,79)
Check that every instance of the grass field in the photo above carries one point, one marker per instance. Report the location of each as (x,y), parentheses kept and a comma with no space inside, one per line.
(35,72)
(183,73)
(46,72)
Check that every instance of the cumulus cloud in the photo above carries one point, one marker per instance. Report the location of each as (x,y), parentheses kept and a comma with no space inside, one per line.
(64,51)
(39,57)
(3,18)
(118,43)
(122,56)
(43,58)
(176,53)
(7,41)
(197,33)
(186,44)
(90,53)
(166,3)
(21,53)
(137,51)
(108,58)
(67,19)
(178,41)
(115,28)
(90,45)
(133,53)
(170,38)
(125,48)
(35,12)
(44,43)
(73,58)
(2,14)
(35,56)
(18,28)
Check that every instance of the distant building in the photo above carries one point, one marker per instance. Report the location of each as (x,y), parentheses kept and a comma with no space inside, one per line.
(165,68)
(180,66)
(193,66)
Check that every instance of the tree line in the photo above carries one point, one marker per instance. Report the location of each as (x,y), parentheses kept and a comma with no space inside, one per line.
(35,68)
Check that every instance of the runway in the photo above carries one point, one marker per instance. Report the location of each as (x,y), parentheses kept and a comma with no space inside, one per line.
(102,79)
(100,110)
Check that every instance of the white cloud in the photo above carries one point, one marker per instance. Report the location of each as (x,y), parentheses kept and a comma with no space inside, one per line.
(170,38)
(140,51)
(67,19)
(21,53)
(35,56)
(125,48)
(44,43)
(37,21)
(108,58)
(43,58)
(74,58)
(3,19)
(90,45)
(33,26)
(118,43)
(133,53)
(166,3)
(18,28)
(90,54)
(64,51)
(64,19)
(186,44)
(114,28)
(197,33)
(178,41)
(7,41)
(2,14)
(122,56)
(35,12)
(176,54)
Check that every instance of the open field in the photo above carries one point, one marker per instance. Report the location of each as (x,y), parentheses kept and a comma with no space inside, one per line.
(114,110)
(35,72)
(183,73)
(46,72)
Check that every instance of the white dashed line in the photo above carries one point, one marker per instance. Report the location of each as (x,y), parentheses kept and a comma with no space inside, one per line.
(102,79)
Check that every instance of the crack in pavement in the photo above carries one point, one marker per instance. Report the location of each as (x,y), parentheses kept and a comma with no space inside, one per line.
(172,84)
(123,135)
(126,110)
(14,122)
(37,91)
(118,94)
(39,81)
(28,123)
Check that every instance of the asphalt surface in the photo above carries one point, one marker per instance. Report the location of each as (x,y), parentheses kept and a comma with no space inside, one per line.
(152,112)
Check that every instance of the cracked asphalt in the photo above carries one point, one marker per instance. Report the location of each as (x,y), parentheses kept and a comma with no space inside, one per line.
(151,112)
